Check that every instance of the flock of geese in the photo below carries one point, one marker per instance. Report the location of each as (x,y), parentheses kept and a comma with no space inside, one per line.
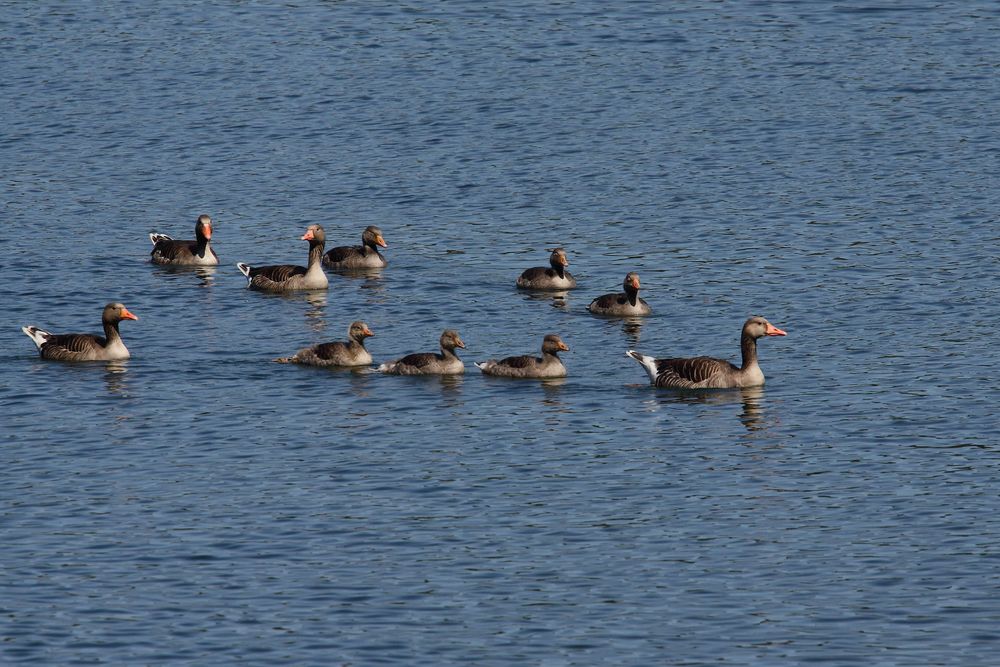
(689,373)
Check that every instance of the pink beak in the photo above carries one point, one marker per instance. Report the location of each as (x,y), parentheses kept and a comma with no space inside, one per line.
(772,330)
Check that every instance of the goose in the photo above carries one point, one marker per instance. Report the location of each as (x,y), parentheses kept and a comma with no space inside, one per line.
(85,347)
(428,363)
(288,277)
(186,253)
(527,366)
(627,304)
(365,256)
(708,372)
(554,278)
(338,353)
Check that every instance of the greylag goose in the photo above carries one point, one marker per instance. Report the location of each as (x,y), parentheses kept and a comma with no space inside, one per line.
(365,256)
(288,277)
(554,278)
(428,363)
(627,304)
(527,366)
(337,353)
(85,347)
(186,253)
(708,372)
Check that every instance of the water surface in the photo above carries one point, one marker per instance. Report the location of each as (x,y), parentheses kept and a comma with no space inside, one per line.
(832,166)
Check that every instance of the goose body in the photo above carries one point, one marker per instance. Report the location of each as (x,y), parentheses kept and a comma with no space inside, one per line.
(365,256)
(289,277)
(85,347)
(549,365)
(429,363)
(709,372)
(623,304)
(338,353)
(553,277)
(185,253)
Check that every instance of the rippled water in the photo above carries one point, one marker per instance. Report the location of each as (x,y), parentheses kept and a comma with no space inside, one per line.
(832,166)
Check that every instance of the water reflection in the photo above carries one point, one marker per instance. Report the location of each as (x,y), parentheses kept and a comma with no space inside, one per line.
(753,413)
(370,280)
(632,328)
(206,274)
(317,307)
(552,393)
(558,298)
(116,378)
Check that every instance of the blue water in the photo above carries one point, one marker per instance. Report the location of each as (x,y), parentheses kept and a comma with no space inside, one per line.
(830,165)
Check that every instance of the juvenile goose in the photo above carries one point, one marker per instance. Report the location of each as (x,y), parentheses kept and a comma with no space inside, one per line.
(337,353)
(186,253)
(708,372)
(365,256)
(548,366)
(428,363)
(627,304)
(85,347)
(288,277)
(554,278)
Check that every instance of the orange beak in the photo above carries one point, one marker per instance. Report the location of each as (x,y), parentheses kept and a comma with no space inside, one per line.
(368,332)
(564,347)
(380,241)
(459,343)
(308,236)
(127,315)
(207,231)
(772,330)
(635,283)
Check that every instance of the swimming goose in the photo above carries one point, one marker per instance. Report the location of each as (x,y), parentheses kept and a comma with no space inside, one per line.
(428,363)
(708,372)
(288,277)
(548,366)
(555,278)
(186,253)
(627,304)
(365,256)
(85,347)
(338,353)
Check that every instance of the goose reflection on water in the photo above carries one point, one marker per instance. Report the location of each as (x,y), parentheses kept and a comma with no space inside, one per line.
(371,280)
(205,274)
(557,298)
(752,400)
(116,378)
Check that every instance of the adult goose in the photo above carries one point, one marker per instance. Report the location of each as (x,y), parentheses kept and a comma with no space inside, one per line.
(556,277)
(365,256)
(338,353)
(708,372)
(85,347)
(186,253)
(527,366)
(623,304)
(288,277)
(428,363)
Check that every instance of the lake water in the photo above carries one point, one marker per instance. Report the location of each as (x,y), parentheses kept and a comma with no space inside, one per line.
(830,165)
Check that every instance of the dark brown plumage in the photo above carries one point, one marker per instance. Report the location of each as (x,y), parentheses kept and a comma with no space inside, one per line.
(85,347)
(186,253)
(556,277)
(365,256)
(337,353)
(428,363)
(623,304)
(526,366)
(289,277)
(709,372)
